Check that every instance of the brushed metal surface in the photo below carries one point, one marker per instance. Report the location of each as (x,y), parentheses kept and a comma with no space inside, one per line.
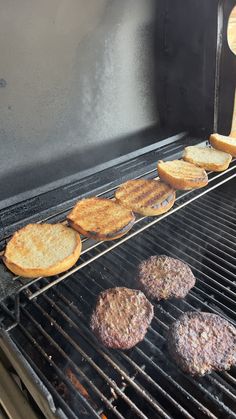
(86,81)
(74,73)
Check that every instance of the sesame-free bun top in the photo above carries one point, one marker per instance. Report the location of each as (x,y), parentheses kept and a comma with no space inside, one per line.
(182,175)
(101,218)
(42,250)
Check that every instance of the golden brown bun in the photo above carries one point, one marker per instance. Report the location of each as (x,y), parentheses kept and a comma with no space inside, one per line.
(42,250)
(101,219)
(146,196)
(182,175)
(207,158)
(224,143)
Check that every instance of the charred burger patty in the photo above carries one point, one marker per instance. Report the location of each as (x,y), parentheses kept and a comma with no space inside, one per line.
(162,277)
(121,317)
(202,342)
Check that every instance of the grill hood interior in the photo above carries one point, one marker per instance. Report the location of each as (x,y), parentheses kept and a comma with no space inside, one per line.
(83,82)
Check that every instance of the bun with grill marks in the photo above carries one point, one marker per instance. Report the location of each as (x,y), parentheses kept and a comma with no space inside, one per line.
(100,218)
(146,196)
(182,175)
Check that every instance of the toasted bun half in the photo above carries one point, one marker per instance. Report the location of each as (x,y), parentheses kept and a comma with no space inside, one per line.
(182,175)
(101,219)
(42,250)
(207,158)
(224,143)
(146,196)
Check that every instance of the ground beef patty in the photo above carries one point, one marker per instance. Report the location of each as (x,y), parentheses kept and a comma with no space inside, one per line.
(163,277)
(202,342)
(121,317)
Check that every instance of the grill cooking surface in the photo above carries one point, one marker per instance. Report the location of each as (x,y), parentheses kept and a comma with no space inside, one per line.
(87,380)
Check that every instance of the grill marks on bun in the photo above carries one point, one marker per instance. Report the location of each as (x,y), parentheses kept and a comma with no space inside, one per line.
(182,175)
(146,196)
(101,219)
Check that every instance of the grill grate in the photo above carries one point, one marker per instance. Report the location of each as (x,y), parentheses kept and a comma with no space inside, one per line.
(54,336)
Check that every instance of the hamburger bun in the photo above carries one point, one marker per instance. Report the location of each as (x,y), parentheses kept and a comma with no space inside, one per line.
(100,218)
(42,250)
(146,196)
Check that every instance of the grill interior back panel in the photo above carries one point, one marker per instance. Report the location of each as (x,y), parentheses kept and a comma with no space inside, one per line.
(84,377)
(83,82)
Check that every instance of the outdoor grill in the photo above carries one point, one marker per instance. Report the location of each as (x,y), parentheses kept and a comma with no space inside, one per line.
(62,370)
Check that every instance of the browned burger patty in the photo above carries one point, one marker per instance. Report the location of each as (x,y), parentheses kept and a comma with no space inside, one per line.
(202,342)
(162,277)
(121,317)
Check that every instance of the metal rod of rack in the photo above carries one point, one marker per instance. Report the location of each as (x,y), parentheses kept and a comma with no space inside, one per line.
(127,237)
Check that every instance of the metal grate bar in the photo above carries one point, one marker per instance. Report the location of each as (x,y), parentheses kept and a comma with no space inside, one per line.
(191,295)
(220,267)
(122,355)
(215,247)
(59,373)
(232,393)
(229,198)
(228,212)
(229,377)
(198,262)
(207,296)
(153,331)
(125,261)
(136,349)
(150,343)
(215,235)
(229,236)
(69,361)
(228,215)
(206,221)
(124,239)
(230,229)
(83,401)
(98,369)
(115,364)
(201,302)
(189,306)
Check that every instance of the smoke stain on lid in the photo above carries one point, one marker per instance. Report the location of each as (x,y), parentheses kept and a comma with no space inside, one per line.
(3,83)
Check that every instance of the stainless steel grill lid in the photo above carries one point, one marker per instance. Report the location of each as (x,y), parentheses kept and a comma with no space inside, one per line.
(85,82)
